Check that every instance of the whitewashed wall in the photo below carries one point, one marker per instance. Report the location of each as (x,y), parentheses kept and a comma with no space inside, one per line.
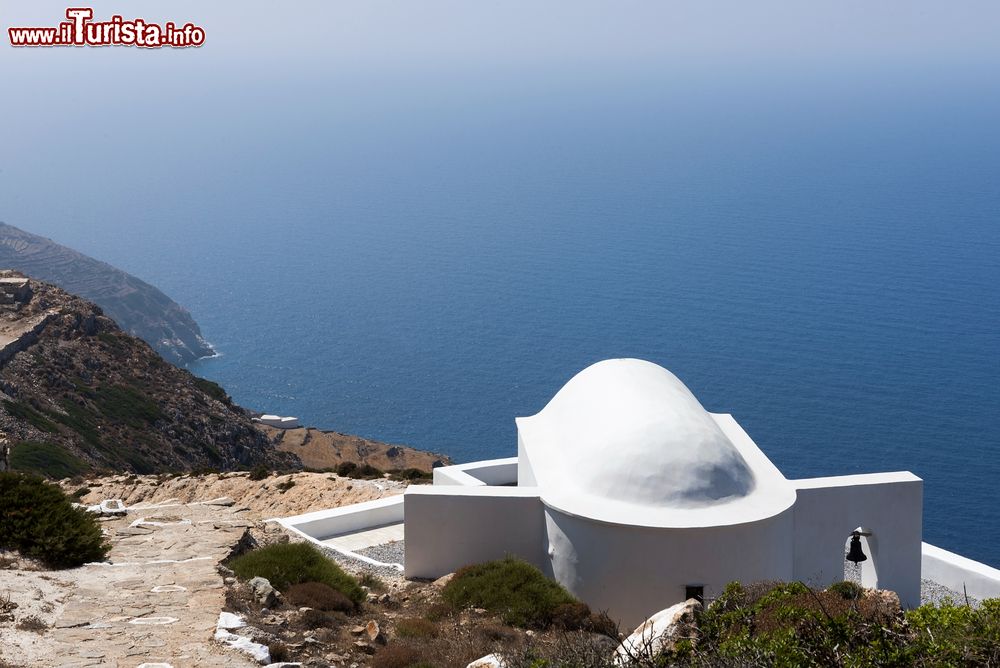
(632,572)
(961,575)
(828,509)
(451,526)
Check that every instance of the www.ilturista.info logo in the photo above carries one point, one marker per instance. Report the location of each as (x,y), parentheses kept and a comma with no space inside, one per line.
(81,30)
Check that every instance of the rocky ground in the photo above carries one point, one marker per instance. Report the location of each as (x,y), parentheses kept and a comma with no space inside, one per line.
(157,602)
(159,598)
(273,496)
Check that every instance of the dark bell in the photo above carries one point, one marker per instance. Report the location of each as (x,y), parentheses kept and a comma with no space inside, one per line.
(855,554)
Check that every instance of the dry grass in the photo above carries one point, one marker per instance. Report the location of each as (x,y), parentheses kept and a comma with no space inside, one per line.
(32,623)
(415,627)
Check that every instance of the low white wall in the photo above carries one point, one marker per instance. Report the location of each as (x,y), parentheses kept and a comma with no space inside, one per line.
(278,421)
(450,527)
(827,510)
(477,474)
(325,524)
(959,573)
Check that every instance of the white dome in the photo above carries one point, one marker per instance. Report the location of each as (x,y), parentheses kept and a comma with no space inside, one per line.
(629,431)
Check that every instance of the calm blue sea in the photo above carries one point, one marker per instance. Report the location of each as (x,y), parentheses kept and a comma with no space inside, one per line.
(422,261)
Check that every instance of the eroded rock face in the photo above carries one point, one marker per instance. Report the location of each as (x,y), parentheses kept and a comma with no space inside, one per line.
(72,380)
(138,307)
(659,633)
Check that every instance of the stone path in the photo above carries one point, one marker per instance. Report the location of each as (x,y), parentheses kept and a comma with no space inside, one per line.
(158,602)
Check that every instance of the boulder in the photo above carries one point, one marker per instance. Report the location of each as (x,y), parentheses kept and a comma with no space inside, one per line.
(488,661)
(442,581)
(659,633)
(263,591)
(374,633)
(888,600)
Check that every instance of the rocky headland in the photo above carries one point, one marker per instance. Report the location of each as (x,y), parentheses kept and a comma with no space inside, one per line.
(79,395)
(318,449)
(138,307)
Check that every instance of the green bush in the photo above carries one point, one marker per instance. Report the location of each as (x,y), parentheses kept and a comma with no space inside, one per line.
(38,520)
(511,588)
(847,589)
(128,405)
(212,389)
(289,564)
(413,475)
(259,472)
(45,459)
(352,470)
(788,624)
(956,635)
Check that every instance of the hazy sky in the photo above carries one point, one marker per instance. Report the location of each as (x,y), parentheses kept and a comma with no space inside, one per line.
(456,33)
(79,121)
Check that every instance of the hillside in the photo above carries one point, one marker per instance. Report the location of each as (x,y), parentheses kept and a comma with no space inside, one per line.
(320,449)
(137,307)
(78,394)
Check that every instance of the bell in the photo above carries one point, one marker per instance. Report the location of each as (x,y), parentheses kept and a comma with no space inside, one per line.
(855,554)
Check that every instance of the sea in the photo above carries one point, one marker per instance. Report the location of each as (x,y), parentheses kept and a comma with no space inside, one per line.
(422,261)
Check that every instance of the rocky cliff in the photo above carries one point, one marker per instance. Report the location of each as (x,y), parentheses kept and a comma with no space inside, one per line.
(137,307)
(78,394)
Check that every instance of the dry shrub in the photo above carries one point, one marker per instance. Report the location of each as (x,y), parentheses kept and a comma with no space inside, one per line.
(415,627)
(320,596)
(497,633)
(32,623)
(279,652)
(398,656)
(373,582)
(314,619)
(241,599)
(564,649)
(439,611)
(579,617)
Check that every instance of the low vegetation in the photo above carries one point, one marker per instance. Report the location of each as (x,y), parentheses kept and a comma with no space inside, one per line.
(521,595)
(46,459)
(212,389)
(416,627)
(369,472)
(259,472)
(319,596)
(39,521)
(288,564)
(789,624)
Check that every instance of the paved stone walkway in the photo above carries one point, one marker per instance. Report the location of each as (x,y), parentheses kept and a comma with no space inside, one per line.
(159,600)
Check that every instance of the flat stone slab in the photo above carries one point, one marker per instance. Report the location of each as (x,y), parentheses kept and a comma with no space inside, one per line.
(158,601)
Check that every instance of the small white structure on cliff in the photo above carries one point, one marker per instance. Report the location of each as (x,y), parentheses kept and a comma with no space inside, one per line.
(633,496)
